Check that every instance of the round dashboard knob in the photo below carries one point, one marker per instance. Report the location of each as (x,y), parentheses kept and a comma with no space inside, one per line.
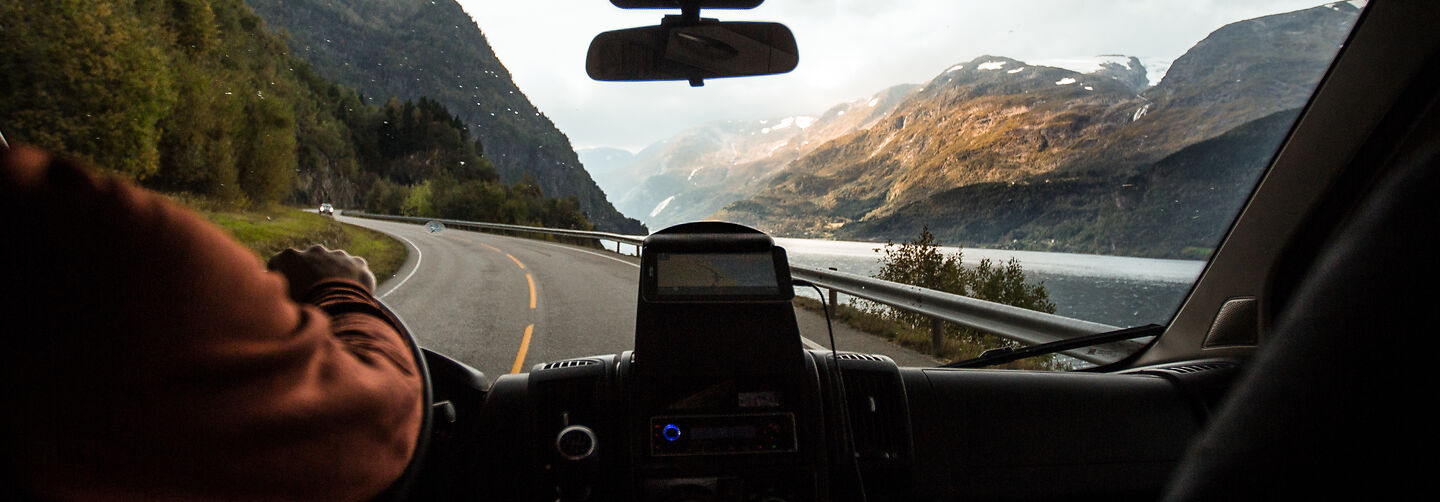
(576,442)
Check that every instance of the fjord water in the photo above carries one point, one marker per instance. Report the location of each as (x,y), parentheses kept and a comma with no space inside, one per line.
(1116,290)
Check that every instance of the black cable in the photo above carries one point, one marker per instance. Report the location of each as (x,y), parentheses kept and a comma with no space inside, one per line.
(823,307)
(839,378)
(1006,354)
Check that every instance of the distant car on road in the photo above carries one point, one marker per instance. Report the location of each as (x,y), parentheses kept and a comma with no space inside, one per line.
(327,209)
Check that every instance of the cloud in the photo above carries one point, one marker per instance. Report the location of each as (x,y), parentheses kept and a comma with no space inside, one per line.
(848,49)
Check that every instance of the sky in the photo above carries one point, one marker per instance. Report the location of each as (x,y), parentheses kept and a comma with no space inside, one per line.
(849,49)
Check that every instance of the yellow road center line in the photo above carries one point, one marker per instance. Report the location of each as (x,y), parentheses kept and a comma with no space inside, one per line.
(492,248)
(516,260)
(524,347)
(531,280)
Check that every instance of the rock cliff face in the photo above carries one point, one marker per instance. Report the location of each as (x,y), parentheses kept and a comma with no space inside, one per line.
(326,185)
(412,49)
(1034,143)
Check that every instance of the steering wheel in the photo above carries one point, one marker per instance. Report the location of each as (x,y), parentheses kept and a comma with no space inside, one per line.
(400,489)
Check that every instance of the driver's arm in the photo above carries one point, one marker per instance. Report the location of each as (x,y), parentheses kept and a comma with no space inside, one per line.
(149,356)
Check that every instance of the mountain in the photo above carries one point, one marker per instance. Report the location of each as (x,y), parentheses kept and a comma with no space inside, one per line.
(992,119)
(1128,71)
(1239,73)
(606,165)
(1177,207)
(700,170)
(993,146)
(420,48)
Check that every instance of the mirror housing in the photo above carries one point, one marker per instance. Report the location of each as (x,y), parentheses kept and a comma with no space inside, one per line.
(677,4)
(693,51)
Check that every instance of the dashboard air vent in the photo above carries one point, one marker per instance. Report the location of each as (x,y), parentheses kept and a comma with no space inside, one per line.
(1197,367)
(878,417)
(851,356)
(569,363)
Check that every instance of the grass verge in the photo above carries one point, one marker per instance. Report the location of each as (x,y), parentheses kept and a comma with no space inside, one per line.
(270,230)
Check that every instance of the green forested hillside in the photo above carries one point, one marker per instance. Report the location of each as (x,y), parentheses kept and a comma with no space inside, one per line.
(198,96)
(414,48)
(129,85)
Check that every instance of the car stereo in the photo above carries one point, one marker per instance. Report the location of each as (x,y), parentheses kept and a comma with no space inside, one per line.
(722,434)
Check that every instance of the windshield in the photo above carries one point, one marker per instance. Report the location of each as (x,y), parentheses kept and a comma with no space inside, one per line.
(1082,159)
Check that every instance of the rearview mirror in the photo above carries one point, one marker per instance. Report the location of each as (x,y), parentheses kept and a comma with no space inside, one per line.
(692,51)
(676,4)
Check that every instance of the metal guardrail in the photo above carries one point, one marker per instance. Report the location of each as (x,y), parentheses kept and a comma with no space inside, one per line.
(584,234)
(1013,323)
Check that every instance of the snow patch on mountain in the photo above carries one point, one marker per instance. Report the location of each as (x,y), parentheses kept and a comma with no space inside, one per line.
(1065,81)
(801,122)
(1085,64)
(661,206)
(991,65)
(1155,68)
(1140,112)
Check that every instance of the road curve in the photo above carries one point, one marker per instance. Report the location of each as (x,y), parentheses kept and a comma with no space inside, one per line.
(502,304)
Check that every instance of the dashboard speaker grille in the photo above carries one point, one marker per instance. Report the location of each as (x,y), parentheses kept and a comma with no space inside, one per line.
(1236,324)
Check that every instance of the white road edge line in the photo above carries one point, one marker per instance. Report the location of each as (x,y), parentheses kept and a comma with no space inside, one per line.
(808,342)
(419,257)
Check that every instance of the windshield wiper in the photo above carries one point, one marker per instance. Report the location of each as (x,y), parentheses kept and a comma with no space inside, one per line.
(1007,354)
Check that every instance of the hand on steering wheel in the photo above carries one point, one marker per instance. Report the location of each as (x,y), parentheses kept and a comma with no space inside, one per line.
(305,269)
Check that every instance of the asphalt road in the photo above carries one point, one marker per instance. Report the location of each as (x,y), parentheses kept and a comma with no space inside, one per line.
(503,304)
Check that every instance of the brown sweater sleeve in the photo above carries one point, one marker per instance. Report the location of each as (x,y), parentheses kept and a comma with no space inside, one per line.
(154,358)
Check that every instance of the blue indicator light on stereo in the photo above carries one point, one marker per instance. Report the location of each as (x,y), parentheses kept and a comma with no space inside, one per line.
(671,432)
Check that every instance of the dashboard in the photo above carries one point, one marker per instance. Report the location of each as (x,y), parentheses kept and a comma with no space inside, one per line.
(719,401)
